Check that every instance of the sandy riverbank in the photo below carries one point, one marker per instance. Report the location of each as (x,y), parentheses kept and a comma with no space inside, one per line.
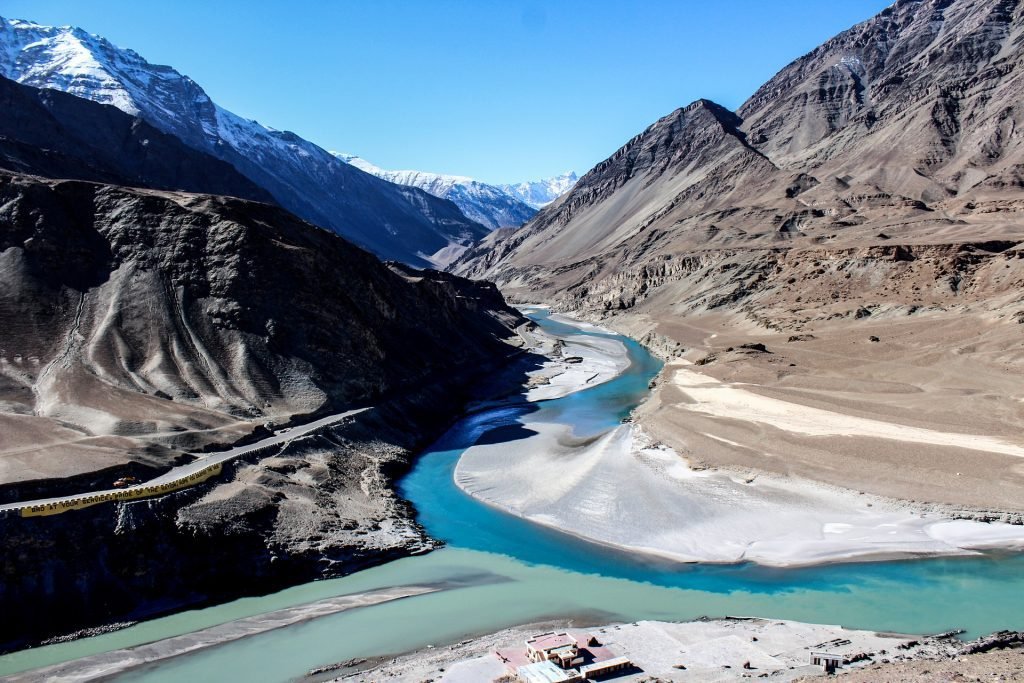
(931,413)
(735,401)
(675,510)
(575,362)
(712,650)
(108,664)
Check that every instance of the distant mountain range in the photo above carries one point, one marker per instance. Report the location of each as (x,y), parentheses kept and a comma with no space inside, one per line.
(540,193)
(404,224)
(488,205)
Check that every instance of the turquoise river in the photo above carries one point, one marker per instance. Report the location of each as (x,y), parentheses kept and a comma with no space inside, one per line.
(511,572)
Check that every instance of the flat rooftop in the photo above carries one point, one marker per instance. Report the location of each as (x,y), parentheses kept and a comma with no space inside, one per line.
(546,672)
(551,641)
(605,664)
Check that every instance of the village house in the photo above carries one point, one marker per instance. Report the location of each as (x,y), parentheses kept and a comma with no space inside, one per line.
(559,648)
(605,667)
(562,658)
(827,661)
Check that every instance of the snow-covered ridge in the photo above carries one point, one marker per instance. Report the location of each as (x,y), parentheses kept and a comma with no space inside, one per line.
(86,65)
(540,193)
(486,204)
(396,223)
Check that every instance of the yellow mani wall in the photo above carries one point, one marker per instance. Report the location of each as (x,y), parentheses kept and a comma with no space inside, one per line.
(133,493)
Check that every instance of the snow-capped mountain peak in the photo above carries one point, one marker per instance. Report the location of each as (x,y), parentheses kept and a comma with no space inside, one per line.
(422,176)
(359,162)
(486,204)
(89,66)
(540,193)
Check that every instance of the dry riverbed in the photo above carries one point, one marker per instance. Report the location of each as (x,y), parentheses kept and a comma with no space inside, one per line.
(925,408)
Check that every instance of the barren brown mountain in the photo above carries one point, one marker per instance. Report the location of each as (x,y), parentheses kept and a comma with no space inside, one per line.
(850,241)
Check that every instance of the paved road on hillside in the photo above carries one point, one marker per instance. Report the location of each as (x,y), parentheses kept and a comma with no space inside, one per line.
(203,460)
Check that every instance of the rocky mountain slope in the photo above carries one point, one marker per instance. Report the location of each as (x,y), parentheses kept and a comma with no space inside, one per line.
(486,204)
(849,239)
(56,135)
(142,324)
(540,193)
(900,130)
(145,319)
(407,225)
(921,102)
(133,312)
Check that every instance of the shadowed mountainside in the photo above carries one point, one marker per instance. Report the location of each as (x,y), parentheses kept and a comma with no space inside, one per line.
(56,135)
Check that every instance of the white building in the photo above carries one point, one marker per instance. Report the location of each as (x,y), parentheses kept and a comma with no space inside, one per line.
(827,661)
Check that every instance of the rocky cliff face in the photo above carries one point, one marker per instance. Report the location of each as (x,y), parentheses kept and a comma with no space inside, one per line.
(129,312)
(139,325)
(321,506)
(920,101)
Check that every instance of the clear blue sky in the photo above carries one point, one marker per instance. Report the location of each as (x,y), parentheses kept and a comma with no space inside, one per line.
(501,91)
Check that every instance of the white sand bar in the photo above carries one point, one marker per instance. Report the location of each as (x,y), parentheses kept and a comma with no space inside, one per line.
(599,359)
(718,399)
(675,512)
(107,665)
